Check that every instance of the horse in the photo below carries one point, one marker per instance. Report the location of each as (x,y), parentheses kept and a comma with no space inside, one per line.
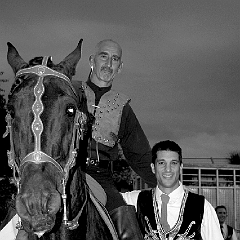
(47,122)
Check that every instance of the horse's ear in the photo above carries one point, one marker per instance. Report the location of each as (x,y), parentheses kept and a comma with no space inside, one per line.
(14,59)
(70,62)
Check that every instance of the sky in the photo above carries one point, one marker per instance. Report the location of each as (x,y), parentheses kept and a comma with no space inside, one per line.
(181,60)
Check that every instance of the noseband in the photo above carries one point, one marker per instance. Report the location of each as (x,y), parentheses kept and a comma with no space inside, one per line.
(37,156)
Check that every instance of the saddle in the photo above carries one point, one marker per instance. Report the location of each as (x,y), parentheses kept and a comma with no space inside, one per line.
(96,189)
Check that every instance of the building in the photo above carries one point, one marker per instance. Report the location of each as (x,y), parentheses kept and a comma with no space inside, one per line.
(216,179)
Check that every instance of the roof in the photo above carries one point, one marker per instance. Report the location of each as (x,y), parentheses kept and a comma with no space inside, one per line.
(209,163)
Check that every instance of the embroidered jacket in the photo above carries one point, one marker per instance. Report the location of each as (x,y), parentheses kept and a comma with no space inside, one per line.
(130,135)
(107,114)
(188,225)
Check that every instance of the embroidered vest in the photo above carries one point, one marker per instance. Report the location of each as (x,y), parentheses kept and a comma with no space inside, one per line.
(188,225)
(108,114)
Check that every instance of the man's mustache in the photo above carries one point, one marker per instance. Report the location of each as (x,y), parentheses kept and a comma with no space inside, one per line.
(108,69)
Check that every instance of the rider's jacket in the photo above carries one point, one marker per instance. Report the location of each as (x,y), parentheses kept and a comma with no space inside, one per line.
(107,114)
(188,225)
(113,123)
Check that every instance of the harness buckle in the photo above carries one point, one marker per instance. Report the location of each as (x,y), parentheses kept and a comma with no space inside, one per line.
(92,162)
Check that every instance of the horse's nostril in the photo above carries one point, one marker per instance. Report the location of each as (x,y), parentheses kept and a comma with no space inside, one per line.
(42,223)
(54,203)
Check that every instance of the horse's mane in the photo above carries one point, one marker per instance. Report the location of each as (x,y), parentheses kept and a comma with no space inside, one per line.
(38,61)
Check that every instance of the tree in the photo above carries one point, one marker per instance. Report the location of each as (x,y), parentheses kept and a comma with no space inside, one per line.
(122,175)
(4,142)
(2,91)
(234,157)
(8,192)
(122,172)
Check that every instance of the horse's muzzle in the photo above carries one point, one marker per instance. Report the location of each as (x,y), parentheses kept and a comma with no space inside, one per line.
(37,212)
(39,224)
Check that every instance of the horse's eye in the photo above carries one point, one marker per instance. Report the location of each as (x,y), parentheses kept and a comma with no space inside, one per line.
(18,81)
(70,111)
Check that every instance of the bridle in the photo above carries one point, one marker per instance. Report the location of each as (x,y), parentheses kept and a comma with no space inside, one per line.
(37,156)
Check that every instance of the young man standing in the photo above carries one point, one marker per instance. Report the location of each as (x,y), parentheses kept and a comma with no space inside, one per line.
(170,210)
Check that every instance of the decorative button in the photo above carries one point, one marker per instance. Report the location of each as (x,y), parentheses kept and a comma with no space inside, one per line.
(41,70)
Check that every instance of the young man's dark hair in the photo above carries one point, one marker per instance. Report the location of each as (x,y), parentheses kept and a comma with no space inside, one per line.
(166,145)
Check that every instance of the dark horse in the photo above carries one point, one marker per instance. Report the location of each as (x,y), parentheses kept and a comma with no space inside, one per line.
(47,128)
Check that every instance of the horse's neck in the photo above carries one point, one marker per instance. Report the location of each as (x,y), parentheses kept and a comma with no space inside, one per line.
(77,192)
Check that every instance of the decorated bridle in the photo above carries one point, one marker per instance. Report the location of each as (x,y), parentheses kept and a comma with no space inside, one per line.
(37,156)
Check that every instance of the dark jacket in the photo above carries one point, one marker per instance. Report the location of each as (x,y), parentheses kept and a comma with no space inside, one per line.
(131,137)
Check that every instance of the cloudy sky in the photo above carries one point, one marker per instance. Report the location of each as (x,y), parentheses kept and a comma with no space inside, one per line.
(181,60)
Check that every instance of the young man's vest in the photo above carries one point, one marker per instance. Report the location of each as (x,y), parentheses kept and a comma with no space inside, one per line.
(188,225)
(230,233)
(107,114)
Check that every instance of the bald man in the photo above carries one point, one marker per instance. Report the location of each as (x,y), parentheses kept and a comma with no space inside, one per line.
(115,127)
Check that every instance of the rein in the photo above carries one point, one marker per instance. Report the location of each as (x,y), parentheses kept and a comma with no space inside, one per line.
(37,156)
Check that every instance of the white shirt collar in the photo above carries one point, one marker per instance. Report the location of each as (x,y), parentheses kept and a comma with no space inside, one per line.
(174,195)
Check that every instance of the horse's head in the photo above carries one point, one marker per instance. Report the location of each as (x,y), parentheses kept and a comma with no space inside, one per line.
(44,123)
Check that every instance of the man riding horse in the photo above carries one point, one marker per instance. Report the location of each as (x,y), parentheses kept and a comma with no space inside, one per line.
(114,126)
